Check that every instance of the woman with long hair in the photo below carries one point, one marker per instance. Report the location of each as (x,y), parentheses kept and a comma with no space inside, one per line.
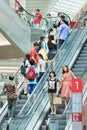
(52,46)
(67,76)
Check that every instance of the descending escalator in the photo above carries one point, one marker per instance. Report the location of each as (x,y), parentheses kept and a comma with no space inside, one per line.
(78,67)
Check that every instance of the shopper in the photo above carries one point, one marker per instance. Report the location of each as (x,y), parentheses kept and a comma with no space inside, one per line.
(52,84)
(66,86)
(10,90)
(38,17)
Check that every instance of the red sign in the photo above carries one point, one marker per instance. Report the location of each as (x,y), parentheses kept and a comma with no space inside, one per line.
(77,117)
(77,85)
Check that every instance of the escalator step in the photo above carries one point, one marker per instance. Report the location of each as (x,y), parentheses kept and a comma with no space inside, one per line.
(60,111)
(78,69)
(23,97)
(62,128)
(82,58)
(21,101)
(81,62)
(84,51)
(83,55)
(79,65)
(43,127)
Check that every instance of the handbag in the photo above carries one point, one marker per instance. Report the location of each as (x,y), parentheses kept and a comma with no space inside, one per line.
(57,100)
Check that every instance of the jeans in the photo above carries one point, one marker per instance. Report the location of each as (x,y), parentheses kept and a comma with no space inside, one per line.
(30,88)
(11,107)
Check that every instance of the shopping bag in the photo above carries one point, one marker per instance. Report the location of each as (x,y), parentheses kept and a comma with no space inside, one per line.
(57,100)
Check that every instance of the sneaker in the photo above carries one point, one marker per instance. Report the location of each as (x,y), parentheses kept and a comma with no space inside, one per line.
(51,113)
(54,113)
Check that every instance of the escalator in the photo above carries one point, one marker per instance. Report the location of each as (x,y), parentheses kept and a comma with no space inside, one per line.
(26,113)
(79,68)
(35,115)
(19,34)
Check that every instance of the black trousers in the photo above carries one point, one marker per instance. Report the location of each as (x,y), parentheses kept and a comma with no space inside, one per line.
(60,43)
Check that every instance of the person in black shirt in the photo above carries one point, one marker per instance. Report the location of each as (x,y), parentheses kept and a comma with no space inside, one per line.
(52,84)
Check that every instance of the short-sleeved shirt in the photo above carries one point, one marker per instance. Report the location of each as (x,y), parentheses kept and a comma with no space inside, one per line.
(52,85)
(38,18)
(33,53)
(42,65)
(64,31)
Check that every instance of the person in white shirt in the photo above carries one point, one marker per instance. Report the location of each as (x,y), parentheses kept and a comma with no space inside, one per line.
(42,66)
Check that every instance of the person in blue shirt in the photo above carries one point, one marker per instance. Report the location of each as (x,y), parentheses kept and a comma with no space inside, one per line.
(63,32)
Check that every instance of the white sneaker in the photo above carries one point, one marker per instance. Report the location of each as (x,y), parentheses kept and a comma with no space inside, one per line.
(51,113)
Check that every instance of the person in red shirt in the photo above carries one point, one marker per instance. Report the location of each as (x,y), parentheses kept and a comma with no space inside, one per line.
(38,18)
(33,53)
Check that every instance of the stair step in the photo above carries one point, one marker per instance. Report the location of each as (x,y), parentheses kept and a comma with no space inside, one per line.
(60,111)
(43,127)
(21,101)
(19,106)
(60,106)
(79,65)
(78,69)
(81,62)
(83,55)
(82,58)
(62,128)
(84,51)
(78,73)
(23,96)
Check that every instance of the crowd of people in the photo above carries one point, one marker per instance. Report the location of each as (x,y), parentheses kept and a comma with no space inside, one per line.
(38,59)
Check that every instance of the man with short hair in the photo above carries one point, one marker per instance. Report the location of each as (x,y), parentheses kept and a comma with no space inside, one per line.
(33,53)
(10,90)
(38,18)
(64,31)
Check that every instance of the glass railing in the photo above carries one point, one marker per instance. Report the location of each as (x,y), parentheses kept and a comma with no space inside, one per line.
(63,56)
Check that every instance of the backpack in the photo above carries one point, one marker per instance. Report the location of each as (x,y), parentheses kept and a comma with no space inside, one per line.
(23,70)
(31,75)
